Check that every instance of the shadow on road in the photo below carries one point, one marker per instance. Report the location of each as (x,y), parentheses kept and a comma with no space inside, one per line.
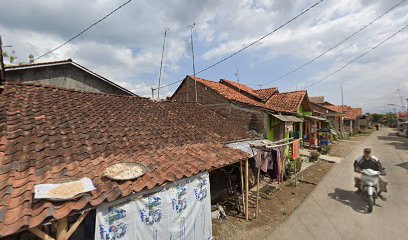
(395,140)
(403,165)
(349,198)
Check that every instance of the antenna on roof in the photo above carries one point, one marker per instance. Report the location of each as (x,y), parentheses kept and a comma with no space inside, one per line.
(192,52)
(237,73)
(161,61)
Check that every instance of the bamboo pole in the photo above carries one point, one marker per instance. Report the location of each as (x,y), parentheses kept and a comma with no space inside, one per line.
(257,189)
(242,187)
(39,233)
(62,228)
(247,189)
(74,226)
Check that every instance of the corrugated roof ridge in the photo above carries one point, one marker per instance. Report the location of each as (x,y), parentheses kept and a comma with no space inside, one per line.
(262,89)
(69,60)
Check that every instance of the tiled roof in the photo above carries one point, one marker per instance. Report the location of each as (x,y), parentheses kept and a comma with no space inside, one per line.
(319,99)
(279,102)
(288,101)
(334,108)
(229,93)
(49,133)
(358,111)
(240,87)
(352,113)
(266,93)
(402,115)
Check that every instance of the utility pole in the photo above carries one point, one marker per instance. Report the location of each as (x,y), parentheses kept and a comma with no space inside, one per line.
(407,109)
(342,99)
(161,62)
(192,52)
(152,93)
(2,70)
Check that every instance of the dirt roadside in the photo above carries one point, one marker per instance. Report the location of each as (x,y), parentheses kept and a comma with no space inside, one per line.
(276,207)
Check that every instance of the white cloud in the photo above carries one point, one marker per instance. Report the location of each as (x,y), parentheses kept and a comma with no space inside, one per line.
(126,47)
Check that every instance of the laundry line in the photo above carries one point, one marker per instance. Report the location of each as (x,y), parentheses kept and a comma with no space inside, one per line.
(274,145)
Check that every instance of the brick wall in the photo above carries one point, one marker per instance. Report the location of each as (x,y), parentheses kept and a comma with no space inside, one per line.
(245,116)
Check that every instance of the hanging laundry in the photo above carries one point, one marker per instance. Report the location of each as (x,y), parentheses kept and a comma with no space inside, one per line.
(261,159)
(282,158)
(265,160)
(295,149)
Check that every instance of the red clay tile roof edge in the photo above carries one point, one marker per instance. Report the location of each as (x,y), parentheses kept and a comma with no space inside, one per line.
(54,136)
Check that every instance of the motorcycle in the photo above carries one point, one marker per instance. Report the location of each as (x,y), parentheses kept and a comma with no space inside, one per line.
(369,186)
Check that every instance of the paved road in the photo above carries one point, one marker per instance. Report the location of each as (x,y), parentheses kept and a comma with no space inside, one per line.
(333,211)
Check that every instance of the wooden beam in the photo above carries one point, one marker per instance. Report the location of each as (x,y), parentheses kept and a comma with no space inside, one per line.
(39,233)
(62,228)
(74,226)
(246,189)
(242,186)
(257,189)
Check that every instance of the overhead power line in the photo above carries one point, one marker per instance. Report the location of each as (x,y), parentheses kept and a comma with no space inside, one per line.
(335,46)
(83,31)
(254,42)
(261,38)
(360,56)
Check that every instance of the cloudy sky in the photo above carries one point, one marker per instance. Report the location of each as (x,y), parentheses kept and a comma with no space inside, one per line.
(126,47)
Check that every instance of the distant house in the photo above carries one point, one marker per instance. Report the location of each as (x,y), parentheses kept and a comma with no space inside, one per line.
(351,118)
(268,112)
(344,118)
(63,74)
(239,104)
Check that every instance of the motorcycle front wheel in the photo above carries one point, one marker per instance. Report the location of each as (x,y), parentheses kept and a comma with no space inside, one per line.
(370,204)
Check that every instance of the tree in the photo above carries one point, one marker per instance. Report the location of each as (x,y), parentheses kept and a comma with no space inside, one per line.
(376,117)
(12,57)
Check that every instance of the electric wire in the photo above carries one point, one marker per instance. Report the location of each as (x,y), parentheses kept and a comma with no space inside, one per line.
(261,38)
(335,46)
(83,31)
(358,57)
(253,43)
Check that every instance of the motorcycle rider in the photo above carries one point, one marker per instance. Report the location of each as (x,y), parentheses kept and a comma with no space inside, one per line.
(367,161)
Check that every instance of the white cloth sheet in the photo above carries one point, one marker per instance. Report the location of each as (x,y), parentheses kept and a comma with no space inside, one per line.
(181,210)
(43,190)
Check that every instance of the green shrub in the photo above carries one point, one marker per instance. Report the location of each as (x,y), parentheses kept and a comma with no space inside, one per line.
(290,166)
(314,155)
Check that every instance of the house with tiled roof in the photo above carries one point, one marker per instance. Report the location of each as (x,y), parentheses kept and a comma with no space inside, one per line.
(51,135)
(344,118)
(351,118)
(255,110)
(63,74)
(317,100)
